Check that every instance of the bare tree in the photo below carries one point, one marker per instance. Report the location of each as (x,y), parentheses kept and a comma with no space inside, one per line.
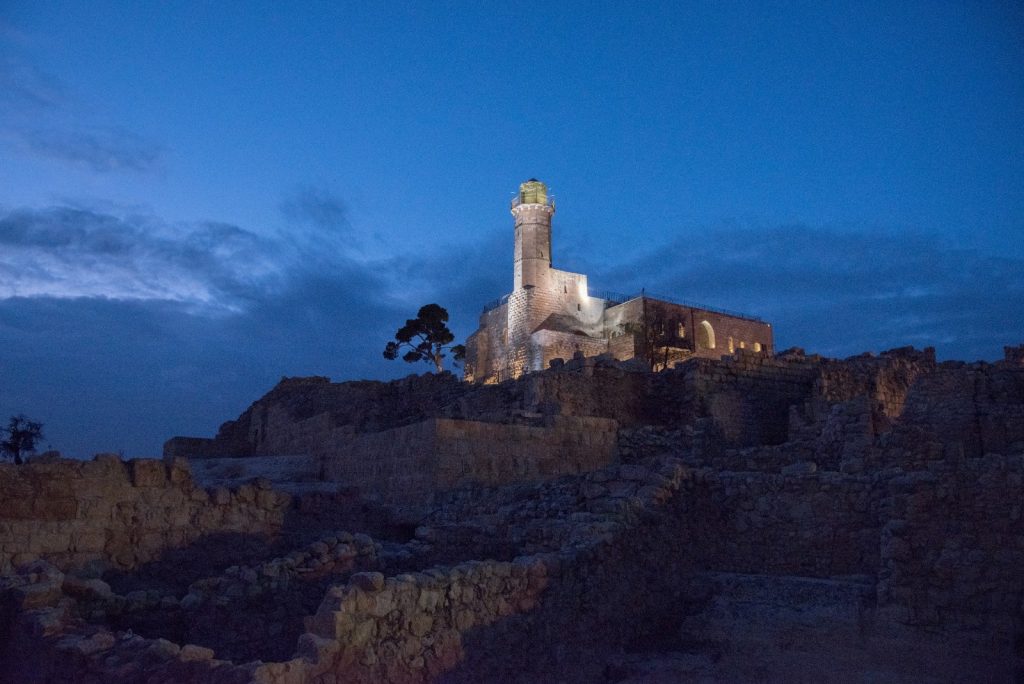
(659,335)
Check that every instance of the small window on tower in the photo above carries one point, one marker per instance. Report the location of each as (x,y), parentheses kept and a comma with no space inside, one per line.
(682,331)
(578,308)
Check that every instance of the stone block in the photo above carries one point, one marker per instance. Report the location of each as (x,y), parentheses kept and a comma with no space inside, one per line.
(90,539)
(368,581)
(191,652)
(147,473)
(179,471)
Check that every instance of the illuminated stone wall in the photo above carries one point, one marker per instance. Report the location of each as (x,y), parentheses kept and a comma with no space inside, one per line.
(486,357)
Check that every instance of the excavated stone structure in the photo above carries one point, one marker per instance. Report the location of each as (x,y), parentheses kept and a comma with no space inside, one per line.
(788,518)
(550,314)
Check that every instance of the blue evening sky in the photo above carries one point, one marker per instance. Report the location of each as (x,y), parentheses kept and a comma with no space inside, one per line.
(199,198)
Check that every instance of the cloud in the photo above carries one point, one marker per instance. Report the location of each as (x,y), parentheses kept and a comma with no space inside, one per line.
(24,87)
(73,252)
(841,292)
(315,206)
(100,149)
(120,331)
(40,117)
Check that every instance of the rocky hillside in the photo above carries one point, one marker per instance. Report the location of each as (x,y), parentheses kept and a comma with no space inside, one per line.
(788,518)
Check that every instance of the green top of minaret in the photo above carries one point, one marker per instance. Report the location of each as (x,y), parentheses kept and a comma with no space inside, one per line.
(533,192)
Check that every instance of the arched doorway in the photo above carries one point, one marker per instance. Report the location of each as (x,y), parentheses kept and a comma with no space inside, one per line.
(705,336)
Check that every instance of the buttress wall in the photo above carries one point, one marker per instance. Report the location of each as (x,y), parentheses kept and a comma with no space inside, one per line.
(486,349)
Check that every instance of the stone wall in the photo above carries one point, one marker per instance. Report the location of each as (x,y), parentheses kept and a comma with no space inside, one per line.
(485,348)
(980,406)
(276,423)
(686,327)
(952,548)
(488,454)
(818,524)
(119,514)
(747,395)
(555,344)
(745,399)
(609,561)
(408,465)
(411,627)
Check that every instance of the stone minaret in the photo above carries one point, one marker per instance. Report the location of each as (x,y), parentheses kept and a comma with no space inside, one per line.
(531,299)
(532,254)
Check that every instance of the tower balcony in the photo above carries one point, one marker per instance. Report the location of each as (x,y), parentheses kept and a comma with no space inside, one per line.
(545,201)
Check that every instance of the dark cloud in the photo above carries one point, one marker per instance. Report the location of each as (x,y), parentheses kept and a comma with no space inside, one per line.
(23,87)
(138,330)
(40,117)
(315,206)
(119,375)
(100,149)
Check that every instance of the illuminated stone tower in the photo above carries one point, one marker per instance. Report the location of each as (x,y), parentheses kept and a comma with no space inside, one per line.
(531,278)
(532,254)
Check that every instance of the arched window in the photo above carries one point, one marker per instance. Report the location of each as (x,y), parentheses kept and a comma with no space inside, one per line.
(757,346)
(705,336)
(732,346)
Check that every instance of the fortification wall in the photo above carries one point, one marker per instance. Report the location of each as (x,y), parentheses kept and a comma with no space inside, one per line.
(828,412)
(407,465)
(886,378)
(118,514)
(486,348)
(488,454)
(554,344)
(395,465)
(980,406)
(748,395)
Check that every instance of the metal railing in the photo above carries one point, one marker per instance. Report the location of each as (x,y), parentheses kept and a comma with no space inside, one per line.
(620,298)
(494,304)
(549,202)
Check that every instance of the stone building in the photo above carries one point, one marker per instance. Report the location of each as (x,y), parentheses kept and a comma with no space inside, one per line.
(551,314)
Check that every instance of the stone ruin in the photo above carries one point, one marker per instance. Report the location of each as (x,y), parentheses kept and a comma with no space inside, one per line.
(755,518)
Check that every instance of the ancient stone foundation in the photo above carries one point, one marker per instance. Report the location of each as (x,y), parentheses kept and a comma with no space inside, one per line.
(113,514)
(787,518)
